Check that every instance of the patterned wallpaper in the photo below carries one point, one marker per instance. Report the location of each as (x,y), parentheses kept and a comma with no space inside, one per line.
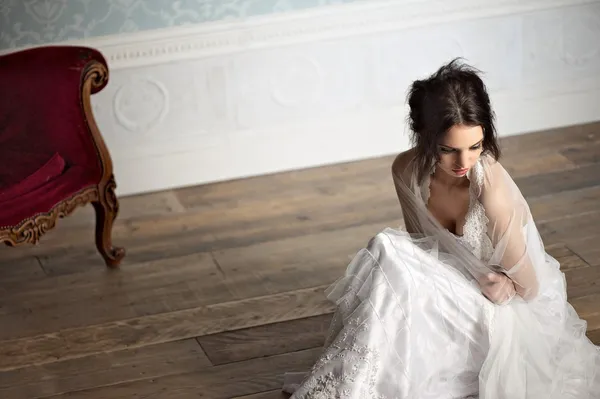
(33,22)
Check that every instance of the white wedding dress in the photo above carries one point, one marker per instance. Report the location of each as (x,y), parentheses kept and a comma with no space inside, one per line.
(410,326)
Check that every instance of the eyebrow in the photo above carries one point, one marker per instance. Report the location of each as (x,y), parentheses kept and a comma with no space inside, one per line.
(452,148)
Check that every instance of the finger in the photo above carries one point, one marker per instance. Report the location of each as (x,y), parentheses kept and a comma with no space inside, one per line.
(493,278)
(503,300)
(509,298)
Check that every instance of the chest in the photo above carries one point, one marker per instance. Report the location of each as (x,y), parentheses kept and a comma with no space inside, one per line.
(449,207)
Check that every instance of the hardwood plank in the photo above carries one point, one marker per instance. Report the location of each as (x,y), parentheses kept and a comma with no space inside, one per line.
(103,369)
(583,282)
(565,204)
(588,309)
(19,271)
(160,328)
(267,340)
(588,248)
(594,336)
(583,155)
(219,382)
(294,263)
(105,295)
(568,259)
(555,182)
(518,165)
(570,230)
(158,203)
(551,140)
(323,180)
(274,394)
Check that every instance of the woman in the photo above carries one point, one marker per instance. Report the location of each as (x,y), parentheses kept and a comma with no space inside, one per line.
(464,303)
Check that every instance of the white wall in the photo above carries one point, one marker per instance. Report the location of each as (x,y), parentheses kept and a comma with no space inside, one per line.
(232,99)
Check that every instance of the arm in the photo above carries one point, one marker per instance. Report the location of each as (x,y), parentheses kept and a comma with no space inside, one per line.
(508,213)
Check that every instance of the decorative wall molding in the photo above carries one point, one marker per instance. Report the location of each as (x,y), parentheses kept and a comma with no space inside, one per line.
(141,104)
(333,22)
(29,22)
(323,23)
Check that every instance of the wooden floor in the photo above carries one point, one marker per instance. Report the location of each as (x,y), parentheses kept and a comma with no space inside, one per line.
(222,288)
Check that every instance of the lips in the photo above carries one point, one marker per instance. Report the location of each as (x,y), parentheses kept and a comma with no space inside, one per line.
(460,171)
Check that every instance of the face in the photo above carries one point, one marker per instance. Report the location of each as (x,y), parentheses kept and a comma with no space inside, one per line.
(460,149)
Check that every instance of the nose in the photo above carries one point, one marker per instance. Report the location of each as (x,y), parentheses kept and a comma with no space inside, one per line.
(462,160)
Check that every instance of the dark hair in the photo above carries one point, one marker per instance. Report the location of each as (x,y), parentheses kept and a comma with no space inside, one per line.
(453,95)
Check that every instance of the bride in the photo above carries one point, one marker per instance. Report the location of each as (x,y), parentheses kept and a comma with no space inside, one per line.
(465,302)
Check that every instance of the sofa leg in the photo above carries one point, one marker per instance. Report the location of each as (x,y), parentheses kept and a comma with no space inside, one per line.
(107,208)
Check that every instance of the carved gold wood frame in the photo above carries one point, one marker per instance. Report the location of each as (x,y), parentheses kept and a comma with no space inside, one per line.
(102,196)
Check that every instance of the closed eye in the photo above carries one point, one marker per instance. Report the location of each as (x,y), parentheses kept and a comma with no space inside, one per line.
(448,150)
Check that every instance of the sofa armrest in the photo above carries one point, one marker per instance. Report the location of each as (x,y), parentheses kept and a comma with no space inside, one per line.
(45,105)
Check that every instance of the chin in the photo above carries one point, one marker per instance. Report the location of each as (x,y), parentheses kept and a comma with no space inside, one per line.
(460,173)
(456,173)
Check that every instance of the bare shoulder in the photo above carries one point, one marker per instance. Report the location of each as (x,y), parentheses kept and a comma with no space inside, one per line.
(399,166)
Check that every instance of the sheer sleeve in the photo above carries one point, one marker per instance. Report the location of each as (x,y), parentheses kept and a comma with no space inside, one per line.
(401,178)
(509,216)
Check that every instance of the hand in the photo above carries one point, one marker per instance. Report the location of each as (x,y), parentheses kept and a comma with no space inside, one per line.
(497,288)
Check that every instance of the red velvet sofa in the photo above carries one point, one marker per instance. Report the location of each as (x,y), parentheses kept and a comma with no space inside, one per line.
(52,156)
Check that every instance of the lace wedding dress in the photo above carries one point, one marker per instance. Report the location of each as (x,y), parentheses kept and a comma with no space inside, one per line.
(410,325)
